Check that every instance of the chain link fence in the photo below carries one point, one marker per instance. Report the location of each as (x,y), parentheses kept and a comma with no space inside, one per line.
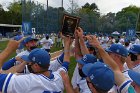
(42,18)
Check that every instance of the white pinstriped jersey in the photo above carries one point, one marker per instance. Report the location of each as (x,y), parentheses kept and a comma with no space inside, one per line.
(125,87)
(32,83)
(136,68)
(78,81)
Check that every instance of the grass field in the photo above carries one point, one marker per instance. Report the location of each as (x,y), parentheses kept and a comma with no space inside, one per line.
(53,49)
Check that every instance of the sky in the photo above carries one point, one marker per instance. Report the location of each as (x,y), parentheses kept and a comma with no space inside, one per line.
(105,6)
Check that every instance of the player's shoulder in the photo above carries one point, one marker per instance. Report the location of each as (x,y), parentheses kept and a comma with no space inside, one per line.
(126,86)
(23,53)
(137,68)
(56,74)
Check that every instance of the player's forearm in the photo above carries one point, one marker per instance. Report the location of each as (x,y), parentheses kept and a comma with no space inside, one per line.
(10,63)
(67,53)
(11,47)
(78,53)
(68,88)
(83,47)
(20,67)
(4,55)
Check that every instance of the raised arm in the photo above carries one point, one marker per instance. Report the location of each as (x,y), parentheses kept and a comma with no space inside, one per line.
(67,43)
(83,47)
(78,53)
(66,82)
(119,77)
(11,47)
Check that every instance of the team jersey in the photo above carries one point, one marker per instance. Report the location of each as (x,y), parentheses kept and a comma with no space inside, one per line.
(125,87)
(26,52)
(46,44)
(33,83)
(57,63)
(54,65)
(12,62)
(136,68)
(78,81)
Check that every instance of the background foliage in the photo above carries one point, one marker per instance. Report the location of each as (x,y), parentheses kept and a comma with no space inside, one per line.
(49,20)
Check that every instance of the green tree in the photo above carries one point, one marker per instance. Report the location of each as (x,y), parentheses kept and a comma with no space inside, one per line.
(127,18)
(107,23)
(90,17)
(15,12)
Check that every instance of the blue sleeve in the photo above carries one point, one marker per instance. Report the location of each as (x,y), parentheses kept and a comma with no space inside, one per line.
(2,79)
(60,58)
(66,65)
(101,60)
(9,64)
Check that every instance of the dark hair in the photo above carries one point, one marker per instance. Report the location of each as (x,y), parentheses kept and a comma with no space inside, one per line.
(99,90)
(133,57)
(45,67)
(47,37)
(126,43)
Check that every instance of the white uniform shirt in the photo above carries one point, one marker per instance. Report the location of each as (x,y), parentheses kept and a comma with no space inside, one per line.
(135,68)
(125,87)
(137,41)
(26,52)
(46,44)
(78,81)
(33,83)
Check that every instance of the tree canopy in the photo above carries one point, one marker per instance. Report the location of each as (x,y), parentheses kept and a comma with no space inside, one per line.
(91,18)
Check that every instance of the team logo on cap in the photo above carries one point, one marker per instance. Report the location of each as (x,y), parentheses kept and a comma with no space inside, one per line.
(92,77)
(117,50)
(84,58)
(33,58)
(132,48)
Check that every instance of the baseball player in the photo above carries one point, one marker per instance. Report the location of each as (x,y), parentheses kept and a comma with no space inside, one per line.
(41,80)
(30,44)
(86,59)
(11,46)
(123,83)
(134,56)
(46,43)
(54,65)
(79,83)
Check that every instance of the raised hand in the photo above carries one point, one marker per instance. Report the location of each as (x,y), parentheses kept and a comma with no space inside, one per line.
(79,32)
(93,41)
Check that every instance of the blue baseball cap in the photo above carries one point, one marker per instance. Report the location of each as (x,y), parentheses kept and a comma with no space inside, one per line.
(135,76)
(88,58)
(118,49)
(18,37)
(100,75)
(26,40)
(135,49)
(88,45)
(47,35)
(38,56)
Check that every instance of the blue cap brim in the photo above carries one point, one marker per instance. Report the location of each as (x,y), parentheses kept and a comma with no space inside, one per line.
(30,39)
(86,69)
(130,51)
(135,76)
(25,58)
(81,61)
(107,50)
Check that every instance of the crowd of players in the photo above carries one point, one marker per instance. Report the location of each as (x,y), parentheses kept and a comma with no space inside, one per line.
(104,65)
